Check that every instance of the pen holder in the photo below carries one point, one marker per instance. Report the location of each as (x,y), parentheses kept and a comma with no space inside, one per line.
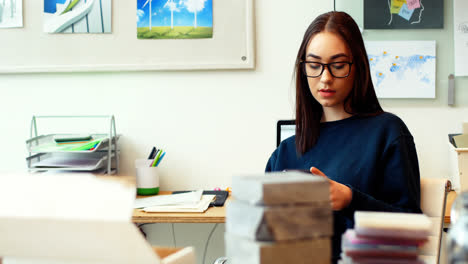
(147,178)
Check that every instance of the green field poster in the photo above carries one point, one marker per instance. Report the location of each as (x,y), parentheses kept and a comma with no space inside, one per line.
(174,19)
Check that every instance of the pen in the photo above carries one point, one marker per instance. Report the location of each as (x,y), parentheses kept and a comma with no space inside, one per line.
(160,158)
(153,151)
(153,164)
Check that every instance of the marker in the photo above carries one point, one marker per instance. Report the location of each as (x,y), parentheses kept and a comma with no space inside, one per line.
(160,158)
(153,164)
(153,152)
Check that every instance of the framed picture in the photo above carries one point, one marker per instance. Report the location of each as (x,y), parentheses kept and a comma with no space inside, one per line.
(196,34)
(403,14)
(403,69)
(78,16)
(170,19)
(11,14)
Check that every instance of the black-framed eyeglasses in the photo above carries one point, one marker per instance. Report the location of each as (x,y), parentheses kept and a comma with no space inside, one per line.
(339,69)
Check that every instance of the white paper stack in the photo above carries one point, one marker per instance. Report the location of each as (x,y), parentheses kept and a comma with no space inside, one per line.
(279,218)
(181,202)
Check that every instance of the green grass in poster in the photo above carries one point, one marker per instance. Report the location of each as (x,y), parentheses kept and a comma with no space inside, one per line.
(175,33)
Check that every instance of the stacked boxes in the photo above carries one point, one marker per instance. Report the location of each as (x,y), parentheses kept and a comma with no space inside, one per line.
(279,218)
(380,237)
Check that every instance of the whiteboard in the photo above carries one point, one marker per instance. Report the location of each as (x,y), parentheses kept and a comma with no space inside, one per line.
(30,49)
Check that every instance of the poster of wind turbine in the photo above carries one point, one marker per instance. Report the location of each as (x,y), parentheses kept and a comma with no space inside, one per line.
(174,19)
(11,13)
(77,16)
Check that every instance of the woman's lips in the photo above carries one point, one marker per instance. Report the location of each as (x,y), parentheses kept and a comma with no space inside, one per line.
(326,92)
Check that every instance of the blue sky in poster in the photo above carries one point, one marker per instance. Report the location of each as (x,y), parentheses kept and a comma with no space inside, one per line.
(182,17)
(50,6)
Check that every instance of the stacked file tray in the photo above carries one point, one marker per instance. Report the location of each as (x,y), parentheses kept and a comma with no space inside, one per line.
(282,217)
(97,153)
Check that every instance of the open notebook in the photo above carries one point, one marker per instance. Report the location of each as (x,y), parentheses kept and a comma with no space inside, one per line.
(69,219)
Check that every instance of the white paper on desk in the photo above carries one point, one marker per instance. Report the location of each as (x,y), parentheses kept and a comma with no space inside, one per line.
(198,207)
(171,199)
(73,219)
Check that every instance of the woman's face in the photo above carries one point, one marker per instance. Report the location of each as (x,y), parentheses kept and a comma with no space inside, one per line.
(329,91)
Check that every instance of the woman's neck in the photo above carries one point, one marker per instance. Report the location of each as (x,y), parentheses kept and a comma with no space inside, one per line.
(334,114)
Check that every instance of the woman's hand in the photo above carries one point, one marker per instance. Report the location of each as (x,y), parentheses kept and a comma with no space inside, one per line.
(340,194)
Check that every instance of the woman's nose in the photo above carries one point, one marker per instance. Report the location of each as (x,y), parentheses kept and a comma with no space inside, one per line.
(326,75)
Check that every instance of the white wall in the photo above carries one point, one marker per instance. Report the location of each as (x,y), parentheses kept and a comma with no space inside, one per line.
(213,124)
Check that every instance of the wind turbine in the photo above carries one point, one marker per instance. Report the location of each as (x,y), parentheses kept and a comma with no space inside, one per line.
(195,6)
(150,15)
(173,7)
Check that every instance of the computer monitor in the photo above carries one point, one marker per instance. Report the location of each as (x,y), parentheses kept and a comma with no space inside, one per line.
(284,129)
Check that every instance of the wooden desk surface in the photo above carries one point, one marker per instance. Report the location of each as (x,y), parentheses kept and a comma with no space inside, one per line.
(212,215)
(448,206)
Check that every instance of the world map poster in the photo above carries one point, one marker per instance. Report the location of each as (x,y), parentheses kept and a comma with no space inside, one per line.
(403,69)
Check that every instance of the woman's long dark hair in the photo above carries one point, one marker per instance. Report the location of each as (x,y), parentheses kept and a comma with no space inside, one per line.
(360,101)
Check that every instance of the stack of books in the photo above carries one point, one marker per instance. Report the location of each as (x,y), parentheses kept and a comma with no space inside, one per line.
(279,218)
(381,237)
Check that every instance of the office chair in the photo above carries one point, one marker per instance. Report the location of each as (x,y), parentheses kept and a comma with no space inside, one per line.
(221,260)
(433,199)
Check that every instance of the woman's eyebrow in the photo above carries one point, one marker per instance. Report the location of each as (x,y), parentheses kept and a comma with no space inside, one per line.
(339,55)
(314,56)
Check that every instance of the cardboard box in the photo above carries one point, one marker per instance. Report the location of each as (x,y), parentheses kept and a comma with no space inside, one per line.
(170,255)
(279,223)
(245,251)
(73,219)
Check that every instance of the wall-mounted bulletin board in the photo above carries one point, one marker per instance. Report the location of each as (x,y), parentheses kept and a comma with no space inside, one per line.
(410,44)
(65,36)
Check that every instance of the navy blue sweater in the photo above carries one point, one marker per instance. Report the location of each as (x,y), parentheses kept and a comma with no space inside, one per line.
(374,156)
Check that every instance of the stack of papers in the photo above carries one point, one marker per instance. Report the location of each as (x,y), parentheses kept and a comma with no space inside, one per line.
(183,202)
(384,237)
(83,163)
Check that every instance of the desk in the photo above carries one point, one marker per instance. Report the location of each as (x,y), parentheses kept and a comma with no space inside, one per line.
(212,215)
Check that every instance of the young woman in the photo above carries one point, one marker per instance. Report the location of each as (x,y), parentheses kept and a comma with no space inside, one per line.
(342,133)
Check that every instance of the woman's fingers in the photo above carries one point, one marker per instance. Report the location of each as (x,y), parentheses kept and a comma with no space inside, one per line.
(316,171)
(340,195)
